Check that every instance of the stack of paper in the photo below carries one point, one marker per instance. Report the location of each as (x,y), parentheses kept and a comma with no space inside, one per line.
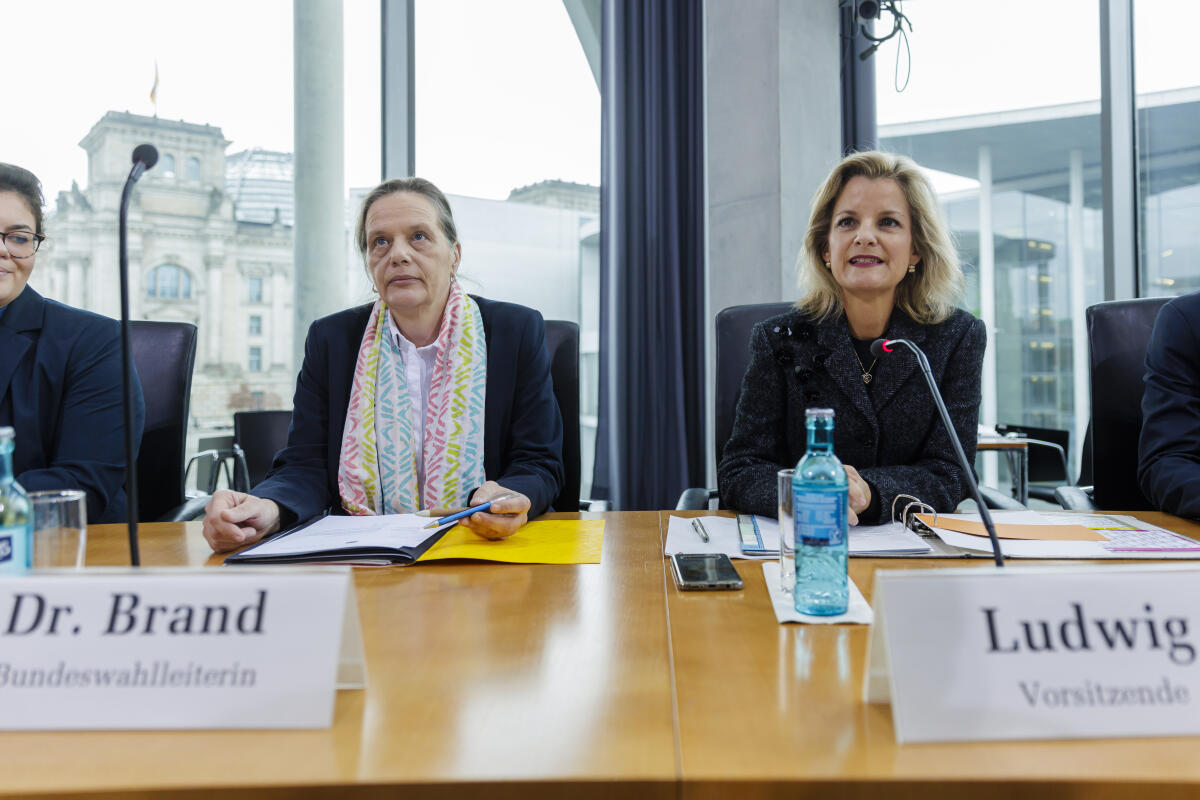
(726,537)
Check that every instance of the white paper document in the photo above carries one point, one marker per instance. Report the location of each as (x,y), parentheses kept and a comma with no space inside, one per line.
(337,533)
(890,539)
(722,537)
(858,610)
(865,540)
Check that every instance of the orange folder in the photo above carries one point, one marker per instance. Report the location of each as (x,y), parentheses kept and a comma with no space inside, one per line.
(1047,533)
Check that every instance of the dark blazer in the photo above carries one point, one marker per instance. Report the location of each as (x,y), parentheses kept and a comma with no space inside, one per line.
(523,431)
(890,433)
(60,389)
(1169,447)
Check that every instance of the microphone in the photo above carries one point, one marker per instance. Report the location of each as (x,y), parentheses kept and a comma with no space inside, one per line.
(145,156)
(881,347)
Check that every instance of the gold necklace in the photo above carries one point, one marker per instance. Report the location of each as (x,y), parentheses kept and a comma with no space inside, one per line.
(866,372)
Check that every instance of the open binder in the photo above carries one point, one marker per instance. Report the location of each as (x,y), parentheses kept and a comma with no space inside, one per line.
(1022,534)
(1030,534)
(369,541)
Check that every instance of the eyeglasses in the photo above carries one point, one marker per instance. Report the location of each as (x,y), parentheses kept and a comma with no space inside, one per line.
(22,244)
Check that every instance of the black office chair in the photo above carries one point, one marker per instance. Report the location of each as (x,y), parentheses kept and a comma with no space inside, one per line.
(562,343)
(1047,457)
(733,357)
(1118,334)
(164,354)
(259,435)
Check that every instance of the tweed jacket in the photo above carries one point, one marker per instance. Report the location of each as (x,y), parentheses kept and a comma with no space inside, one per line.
(890,431)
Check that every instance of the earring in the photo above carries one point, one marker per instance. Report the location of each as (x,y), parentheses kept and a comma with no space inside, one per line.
(828,265)
(912,268)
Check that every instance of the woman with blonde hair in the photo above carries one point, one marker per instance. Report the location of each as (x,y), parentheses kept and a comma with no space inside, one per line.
(877,261)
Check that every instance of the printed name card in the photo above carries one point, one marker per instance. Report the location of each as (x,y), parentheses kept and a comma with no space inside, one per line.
(1037,652)
(177,648)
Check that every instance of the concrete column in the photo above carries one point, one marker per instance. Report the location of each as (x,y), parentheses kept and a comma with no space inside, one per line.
(987,302)
(1079,348)
(73,296)
(278,350)
(320,192)
(214,322)
(772,133)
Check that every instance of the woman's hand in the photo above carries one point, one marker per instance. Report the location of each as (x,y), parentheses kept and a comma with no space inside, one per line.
(860,494)
(503,518)
(232,519)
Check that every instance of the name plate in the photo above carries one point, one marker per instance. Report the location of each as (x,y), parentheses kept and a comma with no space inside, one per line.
(1037,652)
(172,648)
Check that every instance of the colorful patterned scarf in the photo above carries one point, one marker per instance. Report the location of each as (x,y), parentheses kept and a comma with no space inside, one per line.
(377,471)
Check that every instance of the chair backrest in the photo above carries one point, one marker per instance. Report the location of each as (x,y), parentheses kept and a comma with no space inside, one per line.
(733,356)
(164,354)
(1118,333)
(260,434)
(562,343)
(1045,463)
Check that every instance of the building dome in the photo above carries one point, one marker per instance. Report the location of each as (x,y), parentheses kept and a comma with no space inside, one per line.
(260,183)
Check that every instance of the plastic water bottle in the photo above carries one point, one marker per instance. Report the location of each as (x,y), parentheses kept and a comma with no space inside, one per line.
(820,501)
(16,521)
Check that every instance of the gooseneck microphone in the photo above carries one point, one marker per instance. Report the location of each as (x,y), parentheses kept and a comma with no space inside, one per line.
(145,156)
(882,347)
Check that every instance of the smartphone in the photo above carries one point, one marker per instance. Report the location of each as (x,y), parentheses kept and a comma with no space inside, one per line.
(704,571)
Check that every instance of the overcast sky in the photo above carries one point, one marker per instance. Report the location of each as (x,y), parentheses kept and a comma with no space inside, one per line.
(504,94)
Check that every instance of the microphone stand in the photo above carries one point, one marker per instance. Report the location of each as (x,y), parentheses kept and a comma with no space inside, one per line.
(131,483)
(985,515)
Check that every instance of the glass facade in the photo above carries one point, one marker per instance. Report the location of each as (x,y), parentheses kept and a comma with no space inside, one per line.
(1017,161)
(1167,81)
(509,129)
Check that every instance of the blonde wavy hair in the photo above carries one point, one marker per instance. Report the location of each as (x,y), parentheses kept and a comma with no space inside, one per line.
(929,295)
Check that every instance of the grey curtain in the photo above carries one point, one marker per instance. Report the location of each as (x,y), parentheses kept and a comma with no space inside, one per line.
(651,441)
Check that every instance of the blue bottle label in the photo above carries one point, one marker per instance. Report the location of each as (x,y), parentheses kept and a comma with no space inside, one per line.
(820,518)
(6,548)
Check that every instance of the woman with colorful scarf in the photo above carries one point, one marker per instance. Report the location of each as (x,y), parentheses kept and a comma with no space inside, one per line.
(426,399)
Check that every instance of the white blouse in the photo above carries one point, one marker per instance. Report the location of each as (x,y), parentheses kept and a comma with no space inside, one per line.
(418,374)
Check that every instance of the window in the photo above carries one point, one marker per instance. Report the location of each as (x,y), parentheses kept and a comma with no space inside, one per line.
(193,169)
(168,165)
(255,294)
(255,325)
(1016,161)
(169,282)
(1168,101)
(255,360)
(526,198)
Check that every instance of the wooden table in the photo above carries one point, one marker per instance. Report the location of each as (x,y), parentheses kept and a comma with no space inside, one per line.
(584,681)
(769,710)
(533,681)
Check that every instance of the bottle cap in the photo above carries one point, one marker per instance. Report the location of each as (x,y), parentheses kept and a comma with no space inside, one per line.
(818,412)
(6,434)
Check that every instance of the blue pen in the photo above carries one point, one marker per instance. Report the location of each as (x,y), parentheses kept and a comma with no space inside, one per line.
(466,512)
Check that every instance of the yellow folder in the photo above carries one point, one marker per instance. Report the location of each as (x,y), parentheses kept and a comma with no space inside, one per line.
(551,541)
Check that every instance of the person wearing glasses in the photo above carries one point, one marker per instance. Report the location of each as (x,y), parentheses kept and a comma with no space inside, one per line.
(427,398)
(877,261)
(60,371)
